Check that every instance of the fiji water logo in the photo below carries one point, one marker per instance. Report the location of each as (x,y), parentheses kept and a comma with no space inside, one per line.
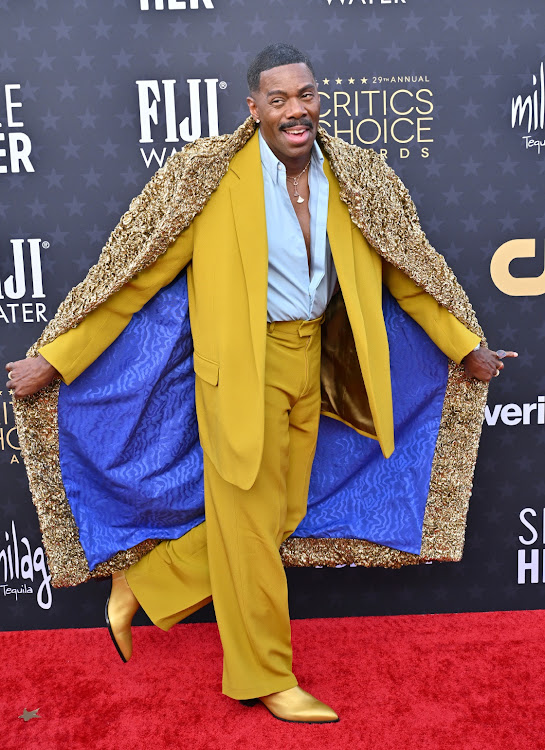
(529,112)
(159,108)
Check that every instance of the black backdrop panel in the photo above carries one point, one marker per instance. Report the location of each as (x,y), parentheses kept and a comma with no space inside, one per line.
(95,94)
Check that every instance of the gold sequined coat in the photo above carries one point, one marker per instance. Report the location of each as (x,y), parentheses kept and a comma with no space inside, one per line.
(381,208)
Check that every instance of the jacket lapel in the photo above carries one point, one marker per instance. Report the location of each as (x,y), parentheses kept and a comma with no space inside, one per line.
(248,204)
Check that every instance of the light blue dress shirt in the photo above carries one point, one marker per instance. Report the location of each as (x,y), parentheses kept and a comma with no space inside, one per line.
(294,293)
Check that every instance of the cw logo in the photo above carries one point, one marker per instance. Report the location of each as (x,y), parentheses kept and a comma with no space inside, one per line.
(514,286)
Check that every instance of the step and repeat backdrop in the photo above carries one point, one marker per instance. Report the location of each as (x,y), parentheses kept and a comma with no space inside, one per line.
(96,94)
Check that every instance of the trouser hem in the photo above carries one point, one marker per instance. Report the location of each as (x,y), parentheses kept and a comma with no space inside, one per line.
(257,691)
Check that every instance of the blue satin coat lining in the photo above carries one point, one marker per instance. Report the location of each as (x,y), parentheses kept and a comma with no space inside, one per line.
(132,465)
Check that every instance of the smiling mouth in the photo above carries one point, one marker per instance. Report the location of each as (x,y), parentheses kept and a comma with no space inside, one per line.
(296,134)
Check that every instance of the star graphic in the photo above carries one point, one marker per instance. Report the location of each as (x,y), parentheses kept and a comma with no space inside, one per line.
(67,90)
(412,22)
(58,236)
(23,31)
(37,207)
(470,108)
(364,80)
(28,715)
(489,137)
(433,168)
(102,29)
(45,61)
(54,179)
(451,81)
(489,20)
(470,50)
(296,25)
(374,22)
(179,27)
(489,79)
(105,89)
(113,206)
(316,54)
(130,177)
(123,59)
(109,148)
(161,57)
(338,81)
(509,48)
(200,57)
(526,194)
(508,165)
(508,222)
(351,81)
(50,120)
(29,92)
(326,81)
(84,60)
(355,53)
(218,26)
(334,23)
(140,28)
(75,207)
(452,139)
(452,196)
(257,26)
(490,194)
(70,149)
(126,118)
(432,51)
(87,119)
(393,51)
(528,18)
(471,224)
(92,178)
(62,30)
(471,166)
(451,21)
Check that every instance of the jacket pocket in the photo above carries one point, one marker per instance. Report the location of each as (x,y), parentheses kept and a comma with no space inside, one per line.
(206,369)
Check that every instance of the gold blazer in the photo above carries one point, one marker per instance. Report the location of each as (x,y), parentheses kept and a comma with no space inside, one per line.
(225,251)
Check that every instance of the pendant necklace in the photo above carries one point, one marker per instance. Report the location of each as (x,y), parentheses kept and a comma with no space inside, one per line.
(295,181)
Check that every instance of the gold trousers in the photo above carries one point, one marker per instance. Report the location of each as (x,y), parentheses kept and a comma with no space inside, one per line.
(233,557)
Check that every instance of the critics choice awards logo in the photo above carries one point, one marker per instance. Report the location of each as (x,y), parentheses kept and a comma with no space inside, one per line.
(392,114)
(166,118)
(15,145)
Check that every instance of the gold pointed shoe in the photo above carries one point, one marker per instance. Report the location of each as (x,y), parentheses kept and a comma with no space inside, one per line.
(296,705)
(121,606)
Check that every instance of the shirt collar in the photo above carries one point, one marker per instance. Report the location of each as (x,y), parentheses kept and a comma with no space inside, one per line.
(274,166)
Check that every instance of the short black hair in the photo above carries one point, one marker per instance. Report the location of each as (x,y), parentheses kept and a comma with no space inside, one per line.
(272,57)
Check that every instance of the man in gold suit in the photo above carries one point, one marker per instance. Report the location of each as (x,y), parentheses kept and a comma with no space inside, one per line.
(272,246)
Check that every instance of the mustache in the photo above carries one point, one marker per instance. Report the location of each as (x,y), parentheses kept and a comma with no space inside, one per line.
(303,123)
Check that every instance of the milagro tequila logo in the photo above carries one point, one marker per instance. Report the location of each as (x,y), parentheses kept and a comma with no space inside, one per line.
(15,146)
(24,570)
(530,112)
(158,106)
(25,281)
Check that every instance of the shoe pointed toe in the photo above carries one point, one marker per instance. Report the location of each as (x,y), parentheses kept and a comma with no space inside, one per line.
(296,705)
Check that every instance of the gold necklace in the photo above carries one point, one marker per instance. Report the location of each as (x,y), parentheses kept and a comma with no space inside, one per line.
(295,181)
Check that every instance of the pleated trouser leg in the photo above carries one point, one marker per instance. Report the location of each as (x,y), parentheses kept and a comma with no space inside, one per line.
(233,557)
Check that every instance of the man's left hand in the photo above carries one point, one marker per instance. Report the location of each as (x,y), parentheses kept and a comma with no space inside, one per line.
(485,364)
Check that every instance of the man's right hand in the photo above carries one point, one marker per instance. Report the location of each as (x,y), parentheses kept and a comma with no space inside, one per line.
(27,376)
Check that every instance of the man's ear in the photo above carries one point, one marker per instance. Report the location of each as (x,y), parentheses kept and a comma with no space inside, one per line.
(252,106)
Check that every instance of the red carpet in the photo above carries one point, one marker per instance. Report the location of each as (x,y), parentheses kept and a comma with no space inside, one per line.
(464,682)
